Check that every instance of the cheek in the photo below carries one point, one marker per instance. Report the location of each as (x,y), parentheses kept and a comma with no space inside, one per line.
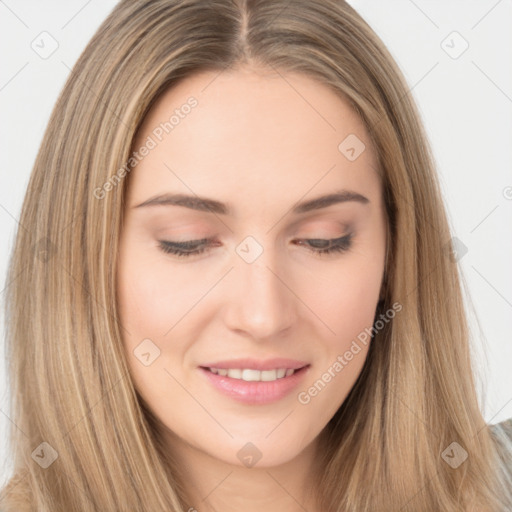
(348,308)
(360,296)
(148,310)
(347,300)
(143,306)
(344,294)
(151,298)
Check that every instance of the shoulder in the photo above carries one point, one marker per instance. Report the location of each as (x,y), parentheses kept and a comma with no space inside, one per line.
(502,434)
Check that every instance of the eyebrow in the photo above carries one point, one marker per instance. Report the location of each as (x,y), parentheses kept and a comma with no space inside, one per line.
(205,204)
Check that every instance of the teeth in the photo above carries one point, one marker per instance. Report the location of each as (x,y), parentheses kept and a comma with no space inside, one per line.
(235,374)
(253,375)
(250,375)
(267,375)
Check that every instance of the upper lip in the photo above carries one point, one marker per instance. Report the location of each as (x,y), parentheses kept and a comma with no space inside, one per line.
(255,364)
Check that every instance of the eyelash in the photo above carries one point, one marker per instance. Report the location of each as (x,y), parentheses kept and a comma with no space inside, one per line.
(338,245)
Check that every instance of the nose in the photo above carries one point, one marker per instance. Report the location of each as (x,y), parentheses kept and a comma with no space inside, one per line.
(260,300)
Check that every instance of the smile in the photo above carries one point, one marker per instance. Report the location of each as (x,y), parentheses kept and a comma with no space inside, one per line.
(248,374)
(252,386)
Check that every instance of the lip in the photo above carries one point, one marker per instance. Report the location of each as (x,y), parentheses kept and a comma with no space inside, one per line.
(256,392)
(255,364)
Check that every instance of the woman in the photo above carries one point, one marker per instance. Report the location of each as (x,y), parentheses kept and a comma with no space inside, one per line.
(235,288)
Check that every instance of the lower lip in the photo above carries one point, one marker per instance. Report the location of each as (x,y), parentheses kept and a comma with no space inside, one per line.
(256,392)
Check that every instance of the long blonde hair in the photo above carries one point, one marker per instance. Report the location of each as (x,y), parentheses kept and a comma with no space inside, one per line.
(70,382)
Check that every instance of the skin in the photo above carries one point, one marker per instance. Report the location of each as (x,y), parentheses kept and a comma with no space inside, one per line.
(261,142)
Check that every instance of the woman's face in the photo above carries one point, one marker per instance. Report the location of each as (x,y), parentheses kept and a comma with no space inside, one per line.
(254,297)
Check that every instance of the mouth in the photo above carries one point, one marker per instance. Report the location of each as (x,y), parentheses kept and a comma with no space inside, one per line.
(250,375)
(255,386)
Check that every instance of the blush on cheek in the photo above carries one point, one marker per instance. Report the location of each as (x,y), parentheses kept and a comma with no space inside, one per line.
(349,311)
(353,302)
(152,301)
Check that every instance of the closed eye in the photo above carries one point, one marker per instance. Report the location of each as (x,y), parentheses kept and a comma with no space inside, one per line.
(318,246)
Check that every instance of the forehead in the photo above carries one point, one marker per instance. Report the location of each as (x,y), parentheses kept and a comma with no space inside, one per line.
(252,134)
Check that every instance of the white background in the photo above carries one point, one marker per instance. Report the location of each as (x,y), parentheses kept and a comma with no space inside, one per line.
(466,104)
